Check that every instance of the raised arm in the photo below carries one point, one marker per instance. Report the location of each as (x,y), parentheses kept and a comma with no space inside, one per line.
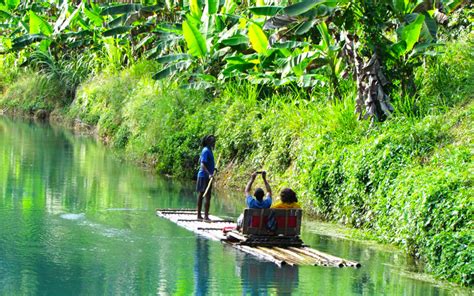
(248,188)
(267,186)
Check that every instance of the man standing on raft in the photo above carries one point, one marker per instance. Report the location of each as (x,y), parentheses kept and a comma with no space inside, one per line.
(205,175)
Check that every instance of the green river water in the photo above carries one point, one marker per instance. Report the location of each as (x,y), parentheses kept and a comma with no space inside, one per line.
(75,220)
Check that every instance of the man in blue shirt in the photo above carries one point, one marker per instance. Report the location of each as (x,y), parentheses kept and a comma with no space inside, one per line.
(205,175)
(258,202)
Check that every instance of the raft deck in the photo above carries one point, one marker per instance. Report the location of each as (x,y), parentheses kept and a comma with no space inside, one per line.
(279,249)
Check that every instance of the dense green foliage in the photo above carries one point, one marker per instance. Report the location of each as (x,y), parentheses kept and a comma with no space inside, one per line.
(309,44)
(407,180)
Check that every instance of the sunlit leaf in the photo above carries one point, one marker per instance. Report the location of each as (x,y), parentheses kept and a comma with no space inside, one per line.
(44,45)
(258,39)
(212,6)
(195,9)
(5,44)
(398,49)
(194,39)
(229,7)
(39,25)
(95,18)
(5,15)
(410,33)
(12,4)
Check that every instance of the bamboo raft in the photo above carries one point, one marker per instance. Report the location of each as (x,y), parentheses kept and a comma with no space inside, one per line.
(281,250)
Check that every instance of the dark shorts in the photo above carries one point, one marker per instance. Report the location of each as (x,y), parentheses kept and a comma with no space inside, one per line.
(202,183)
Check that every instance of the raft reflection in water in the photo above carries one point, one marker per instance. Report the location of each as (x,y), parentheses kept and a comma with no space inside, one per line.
(265,278)
(201,267)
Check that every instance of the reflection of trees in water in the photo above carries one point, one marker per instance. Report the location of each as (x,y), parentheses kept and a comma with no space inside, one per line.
(262,278)
(201,266)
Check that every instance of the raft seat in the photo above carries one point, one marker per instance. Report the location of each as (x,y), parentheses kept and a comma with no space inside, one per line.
(256,222)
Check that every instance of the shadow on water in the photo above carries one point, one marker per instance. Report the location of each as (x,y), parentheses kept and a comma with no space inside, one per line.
(265,278)
(201,266)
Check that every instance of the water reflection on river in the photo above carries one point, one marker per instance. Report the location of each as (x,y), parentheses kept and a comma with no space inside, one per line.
(77,221)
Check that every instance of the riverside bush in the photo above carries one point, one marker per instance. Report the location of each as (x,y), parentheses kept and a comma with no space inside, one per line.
(32,92)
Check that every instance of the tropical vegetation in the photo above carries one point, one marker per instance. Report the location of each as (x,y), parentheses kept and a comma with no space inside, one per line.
(284,86)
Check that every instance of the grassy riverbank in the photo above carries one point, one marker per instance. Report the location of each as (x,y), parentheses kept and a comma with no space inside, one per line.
(407,181)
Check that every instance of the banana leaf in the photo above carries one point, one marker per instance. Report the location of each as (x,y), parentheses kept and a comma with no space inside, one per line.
(172,57)
(195,8)
(170,28)
(196,43)
(25,40)
(39,25)
(305,27)
(212,6)
(142,42)
(258,39)
(235,40)
(12,4)
(290,44)
(80,34)
(301,7)
(121,9)
(171,70)
(266,10)
(117,31)
(230,70)
(5,15)
(152,8)
(96,19)
(197,85)
(411,33)
(118,21)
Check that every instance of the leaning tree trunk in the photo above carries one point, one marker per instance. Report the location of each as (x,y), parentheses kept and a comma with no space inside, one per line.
(371,101)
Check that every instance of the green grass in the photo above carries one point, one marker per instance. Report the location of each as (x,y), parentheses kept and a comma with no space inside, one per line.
(31,92)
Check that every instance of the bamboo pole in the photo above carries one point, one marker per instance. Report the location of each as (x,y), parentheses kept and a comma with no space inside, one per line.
(178,212)
(351,263)
(274,253)
(205,221)
(173,210)
(238,236)
(320,260)
(302,259)
(326,255)
(333,259)
(259,253)
(209,228)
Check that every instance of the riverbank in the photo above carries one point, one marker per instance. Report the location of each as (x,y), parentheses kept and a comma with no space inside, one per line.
(406,181)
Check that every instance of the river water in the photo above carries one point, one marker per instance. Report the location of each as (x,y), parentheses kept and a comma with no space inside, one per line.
(75,220)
